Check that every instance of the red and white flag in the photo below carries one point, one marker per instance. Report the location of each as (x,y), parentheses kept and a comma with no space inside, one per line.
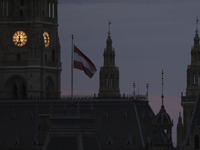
(82,62)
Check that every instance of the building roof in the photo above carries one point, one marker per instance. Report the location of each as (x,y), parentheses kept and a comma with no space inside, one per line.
(119,123)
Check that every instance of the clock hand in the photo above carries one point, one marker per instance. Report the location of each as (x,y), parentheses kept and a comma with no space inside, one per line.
(19,41)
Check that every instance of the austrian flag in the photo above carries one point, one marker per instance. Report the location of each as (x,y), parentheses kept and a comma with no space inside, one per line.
(82,62)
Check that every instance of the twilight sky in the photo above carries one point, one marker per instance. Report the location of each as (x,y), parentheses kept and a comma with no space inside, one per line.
(148,36)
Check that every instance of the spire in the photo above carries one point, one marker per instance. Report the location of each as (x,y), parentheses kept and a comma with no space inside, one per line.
(196,38)
(109,23)
(134,89)
(179,118)
(162,89)
(147,90)
(196,27)
(109,40)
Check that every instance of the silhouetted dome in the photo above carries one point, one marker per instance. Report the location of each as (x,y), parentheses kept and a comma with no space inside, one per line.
(162,117)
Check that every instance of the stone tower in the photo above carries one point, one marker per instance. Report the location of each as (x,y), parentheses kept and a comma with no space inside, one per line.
(193,85)
(29,49)
(162,129)
(109,73)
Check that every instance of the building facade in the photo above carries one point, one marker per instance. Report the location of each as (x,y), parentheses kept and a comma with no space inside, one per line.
(31,115)
(29,49)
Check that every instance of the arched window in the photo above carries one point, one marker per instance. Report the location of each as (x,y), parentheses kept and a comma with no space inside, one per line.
(3,7)
(16,88)
(53,55)
(33,7)
(196,141)
(49,10)
(35,52)
(106,81)
(37,6)
(6,7)
(52,10)
(14,92)
(31,52)
(111,81)
(22,92)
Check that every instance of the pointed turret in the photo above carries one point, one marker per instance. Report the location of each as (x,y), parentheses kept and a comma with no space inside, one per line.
(109,73)
(179,130)
(195,51)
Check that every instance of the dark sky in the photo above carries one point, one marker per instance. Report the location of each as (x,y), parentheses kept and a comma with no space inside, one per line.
(147,37)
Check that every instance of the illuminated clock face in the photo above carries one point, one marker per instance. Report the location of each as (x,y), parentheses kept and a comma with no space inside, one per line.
(46,39)
(19,38)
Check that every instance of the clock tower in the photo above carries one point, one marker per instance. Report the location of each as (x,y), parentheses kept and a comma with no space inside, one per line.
(30,64)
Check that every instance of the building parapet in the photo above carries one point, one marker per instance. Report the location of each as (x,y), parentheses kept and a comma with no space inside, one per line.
(128,96)
(137,97)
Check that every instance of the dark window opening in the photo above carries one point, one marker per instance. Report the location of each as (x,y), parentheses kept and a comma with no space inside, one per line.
(3,7)
(45,57)
(33,7)
(49,10)
(23,92)
(21,13)
(6,7)
(14,92)
(18,57)
(53,55)
(22,2)
(52,10)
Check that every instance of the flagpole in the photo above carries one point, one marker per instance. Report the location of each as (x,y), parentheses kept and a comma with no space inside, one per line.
(72,66)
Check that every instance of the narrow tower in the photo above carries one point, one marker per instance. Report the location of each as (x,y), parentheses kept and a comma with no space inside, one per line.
(193,85)
(109,73)
(179,130)
(29,49)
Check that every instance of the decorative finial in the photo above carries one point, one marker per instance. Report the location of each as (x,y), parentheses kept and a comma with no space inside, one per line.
(133,88)
(162,89)
(196,26)
(147,89)
(109,23)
